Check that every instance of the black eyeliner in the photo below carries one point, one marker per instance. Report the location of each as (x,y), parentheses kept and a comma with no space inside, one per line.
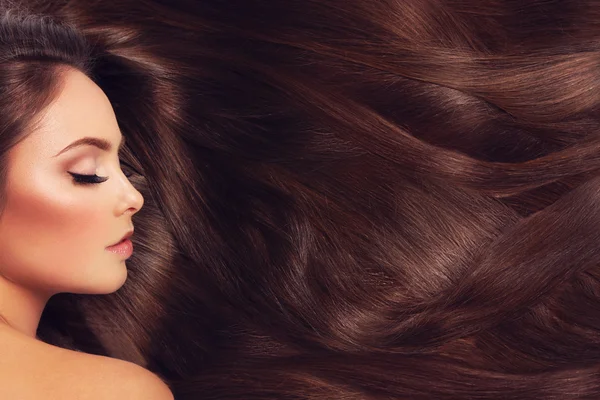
(87,179)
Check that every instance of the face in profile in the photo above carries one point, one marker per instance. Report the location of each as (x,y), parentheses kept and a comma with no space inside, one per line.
(68,201)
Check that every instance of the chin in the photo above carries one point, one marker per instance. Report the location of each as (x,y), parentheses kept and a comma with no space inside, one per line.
(115,284)
(106,283)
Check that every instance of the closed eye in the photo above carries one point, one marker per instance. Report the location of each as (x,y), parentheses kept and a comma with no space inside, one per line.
(80,179)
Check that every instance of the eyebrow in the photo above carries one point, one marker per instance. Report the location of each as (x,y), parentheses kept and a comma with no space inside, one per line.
(102,144)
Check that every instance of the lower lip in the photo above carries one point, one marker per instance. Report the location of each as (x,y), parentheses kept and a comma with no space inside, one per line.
(124,248)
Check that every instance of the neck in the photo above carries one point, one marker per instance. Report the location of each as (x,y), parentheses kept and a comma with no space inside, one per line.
(21,308)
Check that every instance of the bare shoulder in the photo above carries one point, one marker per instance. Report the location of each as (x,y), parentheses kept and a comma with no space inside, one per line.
(111,378)
(30,369)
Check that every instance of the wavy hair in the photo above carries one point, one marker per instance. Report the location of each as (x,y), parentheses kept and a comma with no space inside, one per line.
(358,199)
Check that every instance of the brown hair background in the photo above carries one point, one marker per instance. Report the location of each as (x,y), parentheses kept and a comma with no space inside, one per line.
(353,199)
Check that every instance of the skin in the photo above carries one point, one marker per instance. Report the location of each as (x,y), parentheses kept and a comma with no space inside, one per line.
(54,232)
(33,370)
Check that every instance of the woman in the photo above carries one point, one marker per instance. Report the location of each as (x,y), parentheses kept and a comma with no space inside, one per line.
(66,211)
(376,199)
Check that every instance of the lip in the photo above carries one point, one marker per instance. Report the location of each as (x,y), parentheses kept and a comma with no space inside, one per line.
(123,247)
(126,236)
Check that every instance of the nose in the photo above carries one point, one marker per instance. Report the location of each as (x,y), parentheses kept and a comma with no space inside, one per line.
(132,200)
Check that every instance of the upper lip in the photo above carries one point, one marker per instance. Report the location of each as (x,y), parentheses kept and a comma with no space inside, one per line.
(127,235)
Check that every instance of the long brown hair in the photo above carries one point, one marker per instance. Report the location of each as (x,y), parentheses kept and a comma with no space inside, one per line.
(358,199)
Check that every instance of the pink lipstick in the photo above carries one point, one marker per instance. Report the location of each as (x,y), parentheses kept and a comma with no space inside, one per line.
(124,247)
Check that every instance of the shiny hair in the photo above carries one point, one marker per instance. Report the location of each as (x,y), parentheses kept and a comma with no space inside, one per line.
(360,199)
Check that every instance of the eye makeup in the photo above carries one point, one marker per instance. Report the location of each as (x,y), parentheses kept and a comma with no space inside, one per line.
(80,179)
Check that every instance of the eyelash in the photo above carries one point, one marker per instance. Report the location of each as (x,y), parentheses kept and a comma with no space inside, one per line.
(80,179)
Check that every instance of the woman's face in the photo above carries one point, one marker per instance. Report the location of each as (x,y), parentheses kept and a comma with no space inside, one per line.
(54,231)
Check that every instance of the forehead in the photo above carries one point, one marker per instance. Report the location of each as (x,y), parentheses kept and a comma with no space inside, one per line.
(80,109)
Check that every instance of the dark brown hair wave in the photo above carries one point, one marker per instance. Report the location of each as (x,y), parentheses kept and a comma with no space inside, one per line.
(357,199)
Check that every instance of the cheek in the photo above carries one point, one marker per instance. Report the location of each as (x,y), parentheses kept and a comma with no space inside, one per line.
(50,236)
